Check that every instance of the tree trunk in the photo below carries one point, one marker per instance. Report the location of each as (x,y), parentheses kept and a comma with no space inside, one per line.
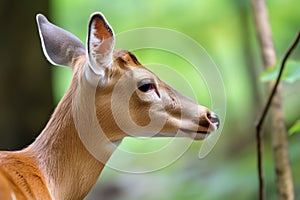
(25,83)
(279,141)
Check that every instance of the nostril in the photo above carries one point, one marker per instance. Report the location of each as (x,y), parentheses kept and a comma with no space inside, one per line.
(214,119)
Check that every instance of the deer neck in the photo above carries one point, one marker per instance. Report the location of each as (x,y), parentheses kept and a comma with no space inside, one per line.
(70,169)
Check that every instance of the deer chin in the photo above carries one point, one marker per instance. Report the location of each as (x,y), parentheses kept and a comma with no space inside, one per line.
(194,134)
(186,133)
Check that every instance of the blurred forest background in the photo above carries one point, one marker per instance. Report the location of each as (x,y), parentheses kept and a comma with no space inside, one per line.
(30,88)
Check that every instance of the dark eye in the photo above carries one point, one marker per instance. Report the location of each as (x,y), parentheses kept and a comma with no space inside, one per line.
(145,85)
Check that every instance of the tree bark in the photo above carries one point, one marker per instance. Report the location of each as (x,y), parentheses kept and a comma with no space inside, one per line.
(283,173)
(25,79)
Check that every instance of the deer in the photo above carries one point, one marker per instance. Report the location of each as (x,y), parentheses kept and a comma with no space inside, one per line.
(58,164)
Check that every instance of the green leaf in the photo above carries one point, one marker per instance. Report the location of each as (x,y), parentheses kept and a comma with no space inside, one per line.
(290,74)
(270,74)
(295,128)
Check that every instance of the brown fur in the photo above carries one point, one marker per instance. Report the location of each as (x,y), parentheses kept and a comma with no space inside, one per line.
(58,153)
(21,177)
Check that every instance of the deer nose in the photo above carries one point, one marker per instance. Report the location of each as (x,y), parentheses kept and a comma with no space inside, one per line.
(214,119)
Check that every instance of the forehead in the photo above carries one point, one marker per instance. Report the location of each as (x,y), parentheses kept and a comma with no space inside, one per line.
(126,58)
(126,61)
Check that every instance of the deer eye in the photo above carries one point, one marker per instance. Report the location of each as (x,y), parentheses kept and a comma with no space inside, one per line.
(146,85)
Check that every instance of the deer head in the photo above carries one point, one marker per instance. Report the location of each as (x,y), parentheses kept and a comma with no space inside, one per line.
(129,99)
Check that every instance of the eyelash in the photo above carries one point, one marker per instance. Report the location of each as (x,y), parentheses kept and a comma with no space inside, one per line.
(146,87)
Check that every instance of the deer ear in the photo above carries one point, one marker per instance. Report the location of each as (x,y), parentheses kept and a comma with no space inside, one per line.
(59,46)
(100,44)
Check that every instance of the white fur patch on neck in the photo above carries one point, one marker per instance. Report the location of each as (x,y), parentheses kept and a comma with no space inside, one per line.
(93,78)
(13,196)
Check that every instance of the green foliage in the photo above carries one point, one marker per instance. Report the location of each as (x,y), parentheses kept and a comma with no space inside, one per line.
(295,128)
(290,74)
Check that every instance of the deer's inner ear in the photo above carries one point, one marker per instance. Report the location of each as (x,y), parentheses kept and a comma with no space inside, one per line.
(100,44)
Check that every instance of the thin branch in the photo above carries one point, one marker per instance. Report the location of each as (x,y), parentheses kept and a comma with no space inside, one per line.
(259,133)
(288,53)
(259,139)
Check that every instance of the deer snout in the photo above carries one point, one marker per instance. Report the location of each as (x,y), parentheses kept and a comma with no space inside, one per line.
(214,119)
(209,120)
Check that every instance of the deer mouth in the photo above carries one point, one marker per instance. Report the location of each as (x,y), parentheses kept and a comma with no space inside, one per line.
(193,131)
(205,127)
(211,125)
(195,134)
